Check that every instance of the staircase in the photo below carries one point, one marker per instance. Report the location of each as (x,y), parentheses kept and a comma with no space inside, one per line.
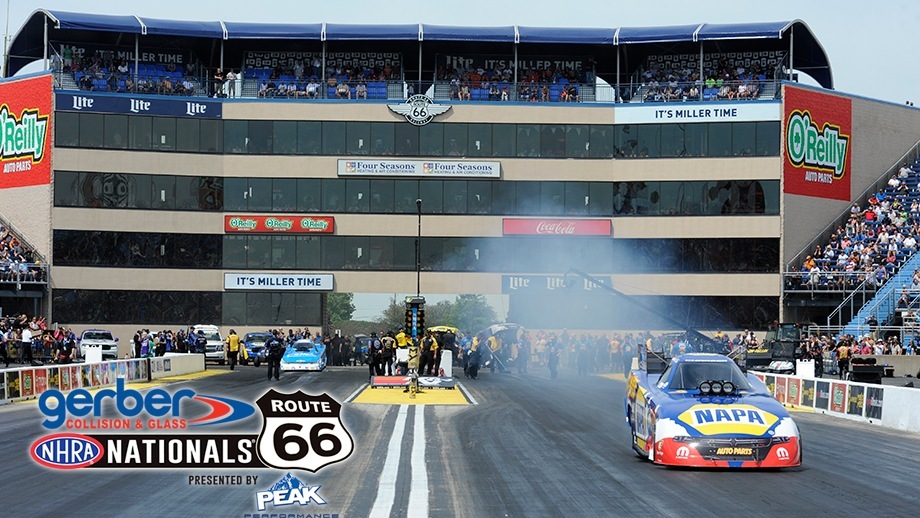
(884,304)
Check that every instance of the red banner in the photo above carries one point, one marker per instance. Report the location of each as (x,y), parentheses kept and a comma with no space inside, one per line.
(557,227)
(838,397)
(25,132)
(282,224)
(817,144)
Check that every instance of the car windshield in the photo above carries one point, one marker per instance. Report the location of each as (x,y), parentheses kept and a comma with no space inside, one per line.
(689,374)
(303,346)
(258,338)
(97,335)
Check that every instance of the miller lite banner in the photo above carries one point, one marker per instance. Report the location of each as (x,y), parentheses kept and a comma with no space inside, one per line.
(138,105)
(279,224)
(25,132)
(557,227)
(548,283)
(817,152)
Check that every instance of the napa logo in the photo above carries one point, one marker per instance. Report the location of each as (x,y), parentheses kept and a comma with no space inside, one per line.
(66,451)
(728,419)
(824,149)
(24,137)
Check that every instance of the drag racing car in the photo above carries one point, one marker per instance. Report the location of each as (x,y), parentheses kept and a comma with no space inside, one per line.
(304,355)
(255,347)
(702,410)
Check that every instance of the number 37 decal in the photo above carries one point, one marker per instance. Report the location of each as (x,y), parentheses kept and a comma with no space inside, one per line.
(301,431)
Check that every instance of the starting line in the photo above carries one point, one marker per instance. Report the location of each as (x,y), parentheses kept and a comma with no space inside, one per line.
(366,394)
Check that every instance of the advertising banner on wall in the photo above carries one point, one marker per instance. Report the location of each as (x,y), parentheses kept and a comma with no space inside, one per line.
(279,224)
(25,132)
(548,283)
(138,105)
(431,168)
(556,227)
(685,113)
(279,281)
(817,131)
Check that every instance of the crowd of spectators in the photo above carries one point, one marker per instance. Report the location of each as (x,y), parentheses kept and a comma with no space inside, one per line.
(103,72)
(724,81)
(874,242)
(18,262)
(551,84)
(30,340)
(345,79)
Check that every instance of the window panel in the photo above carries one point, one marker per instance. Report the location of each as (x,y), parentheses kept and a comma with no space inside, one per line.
(744,138)
(284,252)
(552,198)
(139,132)
(309,138)
(260,137)
(382,138)
(356,253)
(406,192)
(334,195)
(455,193)
(696,139)
(260,194)
(504,140)
(284,194)
(91,130)
(236,194)
(649,140)
(259,253)
(357,191)
(188,135)
(601,199)
(480,140)
(768,135)
(528,140)
(236,138)
(284,135)
(503,198)
(359,138)
(431,193)
(333,250)
(116,132)
(672,140)
(380,253)
(382,197)
(163,131)
(431,140)
(455,140)
(405,137)
(334,138)
(66,129)
(308,252)
(577,198)
(601,142)
(526,198)
(67,191)
(552,141)
(626,140)
(404,253)
(162,192)
(577,141)
(479,196)
(235,251)
(720,140)
(233,308)
(309,194)
(211,136)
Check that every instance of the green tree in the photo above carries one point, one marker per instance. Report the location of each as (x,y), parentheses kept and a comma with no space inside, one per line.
(473,313)
(394,315)
(341,306)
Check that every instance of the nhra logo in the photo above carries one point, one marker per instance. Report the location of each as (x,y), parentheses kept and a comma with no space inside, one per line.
(722,419)
(419,109)
(289,491)
(66,451)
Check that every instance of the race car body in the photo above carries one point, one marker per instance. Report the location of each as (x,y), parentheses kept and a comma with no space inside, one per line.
(255,347)
(701,410)
(304,355)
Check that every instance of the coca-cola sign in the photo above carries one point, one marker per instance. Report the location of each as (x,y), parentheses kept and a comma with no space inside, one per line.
(557,227)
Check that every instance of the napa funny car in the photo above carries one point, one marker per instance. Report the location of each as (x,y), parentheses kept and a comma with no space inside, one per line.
(304,355)
(702,410)
(255,347)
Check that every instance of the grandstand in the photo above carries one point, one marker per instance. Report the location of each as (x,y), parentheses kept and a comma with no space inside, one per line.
(682,163)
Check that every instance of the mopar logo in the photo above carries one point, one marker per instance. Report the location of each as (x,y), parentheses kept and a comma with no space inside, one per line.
(683,452)
(66,451)
(782,454)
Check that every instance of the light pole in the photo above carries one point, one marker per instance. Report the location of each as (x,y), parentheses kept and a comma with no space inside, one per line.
(418,251)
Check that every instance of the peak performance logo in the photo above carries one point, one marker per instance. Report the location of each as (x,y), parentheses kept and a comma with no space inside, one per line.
(289,491)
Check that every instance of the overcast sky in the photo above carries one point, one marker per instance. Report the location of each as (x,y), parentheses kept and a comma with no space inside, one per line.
(872,46)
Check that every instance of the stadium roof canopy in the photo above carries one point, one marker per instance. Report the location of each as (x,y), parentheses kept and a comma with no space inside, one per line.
(28,44)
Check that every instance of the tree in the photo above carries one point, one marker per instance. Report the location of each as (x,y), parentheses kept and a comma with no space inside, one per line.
(394,315)
(473,313)
(341,306)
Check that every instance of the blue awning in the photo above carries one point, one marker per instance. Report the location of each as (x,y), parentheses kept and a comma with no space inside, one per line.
(674,33)
(278,31)
(343,32)
(566,35)
(94,22)
(454,33)
(725,31)
(192,29)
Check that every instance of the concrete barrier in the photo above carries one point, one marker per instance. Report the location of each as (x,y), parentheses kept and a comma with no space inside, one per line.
(174,364)
(884,405)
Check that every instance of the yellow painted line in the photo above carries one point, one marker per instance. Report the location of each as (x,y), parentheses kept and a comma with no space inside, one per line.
(613,376)
(804,409)
(396,396)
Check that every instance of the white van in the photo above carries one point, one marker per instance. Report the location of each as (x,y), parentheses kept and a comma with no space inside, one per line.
(214,350)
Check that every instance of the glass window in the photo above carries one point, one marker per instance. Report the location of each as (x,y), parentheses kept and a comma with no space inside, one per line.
(260,137)
(770,195)
(431,140)
(139,191)
(259,253)
(601,199)
(259,308)
(284,194)
(163,130)
(236,194)
(405,137)
(504,139)
(552,141)
(626,141)
(382,200)
(577,198)
(672,140)
(357,191)
(649,140)
(334,195)
(577,141)
(503,198)
(235,136)
(382,138)
(309,138)
(528,140)
(333,252)
(768,134)
(162,192)
(308,252)
(116,132)
(406,192)
(455,140)
(552,198)
(601,142)
(233,308)
(696,139)
(720,139)
(284,136)
(432,194)
(527,198)
(188,135)
(356,253)
(455,196)
(645,197)
(187,191)
(359,138)
(66,189)
(480,140)
(260,194)
(284,252)
(479,196)
(211,140)
(91,129)
(234,251)
(623,202)
(66,129)
(309,194)
(404,253)
(309,308)
(380,253)
(744,138)
(139,132)
(334,138)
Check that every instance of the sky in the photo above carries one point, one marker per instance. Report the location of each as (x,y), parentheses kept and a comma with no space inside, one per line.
(872,47)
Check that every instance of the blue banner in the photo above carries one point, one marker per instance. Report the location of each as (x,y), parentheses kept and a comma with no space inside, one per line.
(137,104)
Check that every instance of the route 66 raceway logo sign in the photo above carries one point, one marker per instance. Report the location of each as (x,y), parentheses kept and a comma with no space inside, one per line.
(300,431)
(419,109)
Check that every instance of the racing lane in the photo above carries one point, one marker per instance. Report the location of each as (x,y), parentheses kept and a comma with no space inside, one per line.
(531,447)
